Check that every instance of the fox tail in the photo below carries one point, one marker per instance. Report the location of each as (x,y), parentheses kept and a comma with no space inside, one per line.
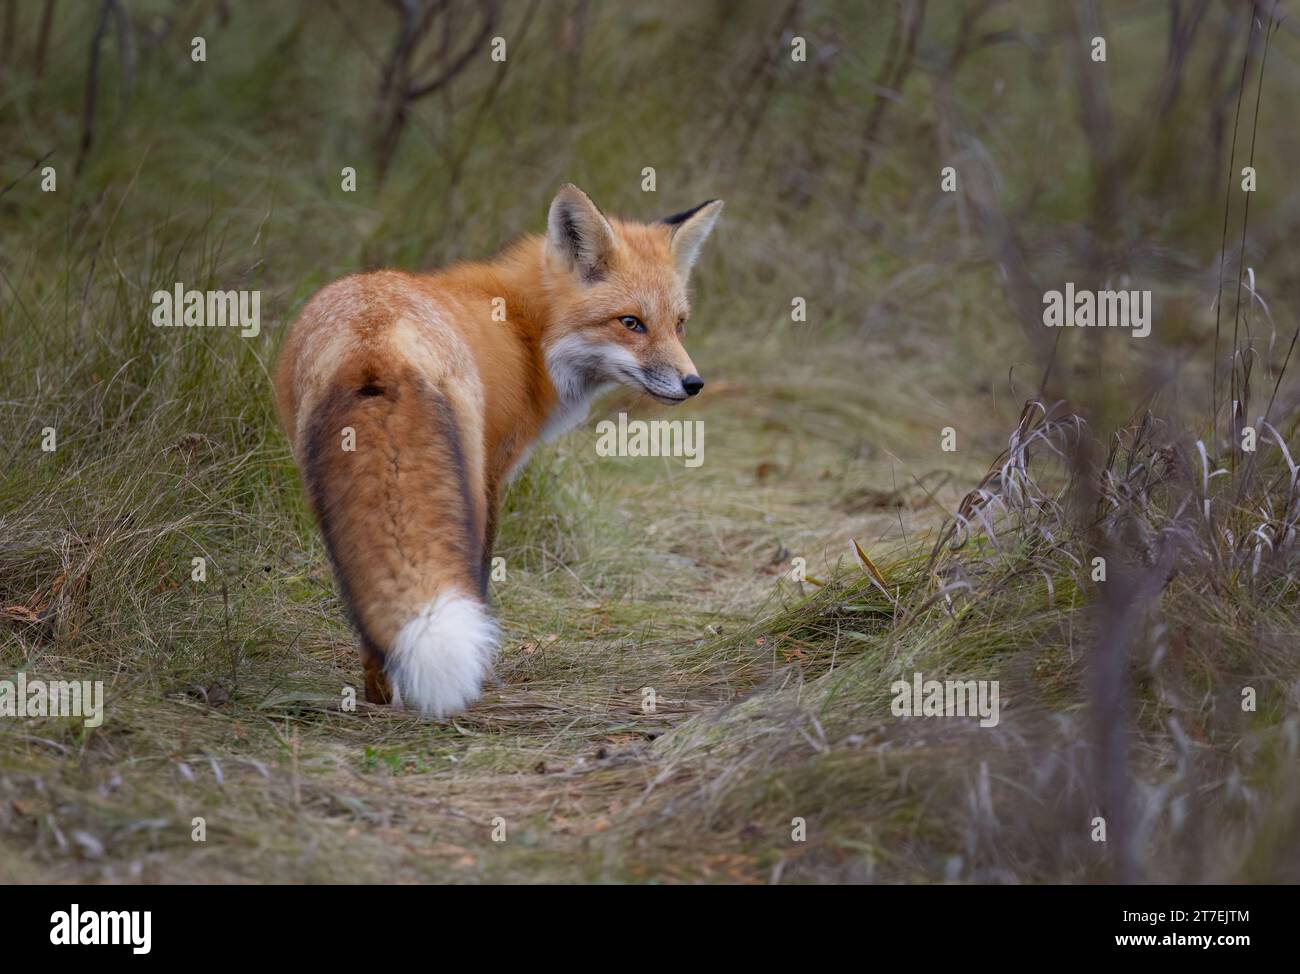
(391,478)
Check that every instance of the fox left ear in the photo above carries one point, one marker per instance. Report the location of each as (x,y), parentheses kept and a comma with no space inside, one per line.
(689,229)
(578,232)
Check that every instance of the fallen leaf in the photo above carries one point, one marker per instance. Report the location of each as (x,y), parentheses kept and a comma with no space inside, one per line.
(868,565)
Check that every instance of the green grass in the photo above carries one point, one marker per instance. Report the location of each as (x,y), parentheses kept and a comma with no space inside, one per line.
(771,697)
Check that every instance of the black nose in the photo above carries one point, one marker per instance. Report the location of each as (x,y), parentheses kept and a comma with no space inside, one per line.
(692,384)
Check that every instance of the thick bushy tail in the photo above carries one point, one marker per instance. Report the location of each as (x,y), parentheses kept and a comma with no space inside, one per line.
(396,486)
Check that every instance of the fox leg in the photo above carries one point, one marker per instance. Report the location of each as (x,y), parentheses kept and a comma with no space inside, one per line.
(378,689)
(489,537)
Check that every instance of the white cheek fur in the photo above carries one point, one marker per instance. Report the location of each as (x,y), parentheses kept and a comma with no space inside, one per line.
(577,364)
(581,369)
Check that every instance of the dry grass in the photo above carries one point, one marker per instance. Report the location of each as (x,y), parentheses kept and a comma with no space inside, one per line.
(772,696)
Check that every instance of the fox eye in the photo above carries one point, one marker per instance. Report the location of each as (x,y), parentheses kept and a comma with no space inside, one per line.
(633,323)
(681,326)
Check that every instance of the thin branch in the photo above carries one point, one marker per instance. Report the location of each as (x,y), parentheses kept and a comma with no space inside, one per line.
(43,37)
(91,103)
(34,166)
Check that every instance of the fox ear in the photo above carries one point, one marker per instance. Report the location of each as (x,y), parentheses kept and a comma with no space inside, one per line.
(689,229)
(578,233)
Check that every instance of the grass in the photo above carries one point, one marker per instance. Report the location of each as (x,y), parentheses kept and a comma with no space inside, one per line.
(771,697)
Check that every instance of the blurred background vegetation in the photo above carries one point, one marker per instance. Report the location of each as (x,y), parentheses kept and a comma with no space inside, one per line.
(923,312)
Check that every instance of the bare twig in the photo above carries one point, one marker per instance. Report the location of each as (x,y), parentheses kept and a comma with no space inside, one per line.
(31,169)
(43,37)
(399,85)
(888,85)
(10,32)
(90,104)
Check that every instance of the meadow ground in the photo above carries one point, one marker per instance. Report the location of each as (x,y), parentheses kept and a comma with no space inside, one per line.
(633,579)
(672,704)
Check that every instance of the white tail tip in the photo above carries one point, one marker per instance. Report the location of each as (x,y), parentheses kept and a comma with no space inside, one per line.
(439,660)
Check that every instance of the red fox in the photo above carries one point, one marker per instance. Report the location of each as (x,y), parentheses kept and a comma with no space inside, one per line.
(411,399)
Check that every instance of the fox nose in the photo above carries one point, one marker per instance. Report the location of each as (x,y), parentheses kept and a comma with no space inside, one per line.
(692,384)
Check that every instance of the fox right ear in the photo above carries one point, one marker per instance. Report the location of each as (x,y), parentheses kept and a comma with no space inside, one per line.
(578,233)
(688,231)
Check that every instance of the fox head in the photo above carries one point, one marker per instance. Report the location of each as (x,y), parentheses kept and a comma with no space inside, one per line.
(617,290)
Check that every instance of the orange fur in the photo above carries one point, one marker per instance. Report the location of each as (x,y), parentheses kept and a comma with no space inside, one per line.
(444,402)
